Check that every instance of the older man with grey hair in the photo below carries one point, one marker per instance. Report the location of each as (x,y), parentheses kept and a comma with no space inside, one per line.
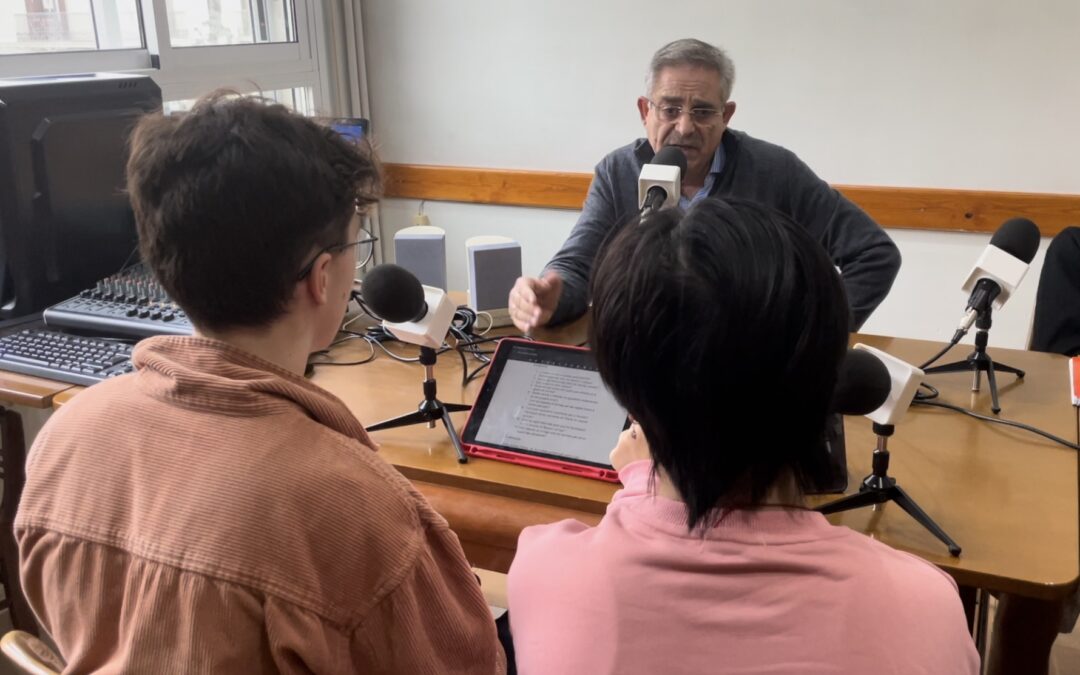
(688,105)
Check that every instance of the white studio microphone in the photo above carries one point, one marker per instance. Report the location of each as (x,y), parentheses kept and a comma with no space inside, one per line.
(905,379)
(862,385)
(879,487)
(660,181)
(419,315)
(999,270)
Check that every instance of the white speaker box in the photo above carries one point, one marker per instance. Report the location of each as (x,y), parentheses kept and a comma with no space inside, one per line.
(494,264)
(421,249)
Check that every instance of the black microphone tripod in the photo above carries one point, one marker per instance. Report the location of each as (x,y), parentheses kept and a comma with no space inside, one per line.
(431,409)
(879,487)
(979,362)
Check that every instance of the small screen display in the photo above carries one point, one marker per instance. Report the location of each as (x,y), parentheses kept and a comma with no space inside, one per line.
(352,128)
(550,401)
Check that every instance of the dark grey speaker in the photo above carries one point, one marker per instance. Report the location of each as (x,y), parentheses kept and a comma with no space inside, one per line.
(421,249)
(494,264)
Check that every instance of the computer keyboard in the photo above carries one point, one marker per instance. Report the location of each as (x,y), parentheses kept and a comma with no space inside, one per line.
(63,357)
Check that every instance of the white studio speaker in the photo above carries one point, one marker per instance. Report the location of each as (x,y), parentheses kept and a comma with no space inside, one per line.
(421,249)
(494,264)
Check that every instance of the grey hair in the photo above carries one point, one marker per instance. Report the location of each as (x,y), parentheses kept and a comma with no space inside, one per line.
(689,51)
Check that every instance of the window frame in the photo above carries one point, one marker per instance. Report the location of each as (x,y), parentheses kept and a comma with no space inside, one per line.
(187,72)
(67,63)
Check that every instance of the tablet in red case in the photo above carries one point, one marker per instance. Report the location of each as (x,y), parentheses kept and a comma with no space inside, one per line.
(544,405)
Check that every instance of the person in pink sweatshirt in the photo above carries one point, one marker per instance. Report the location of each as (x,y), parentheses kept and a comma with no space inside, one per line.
(721,331)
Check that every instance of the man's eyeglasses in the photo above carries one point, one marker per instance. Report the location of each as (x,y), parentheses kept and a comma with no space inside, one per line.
(669,112)
(364,252)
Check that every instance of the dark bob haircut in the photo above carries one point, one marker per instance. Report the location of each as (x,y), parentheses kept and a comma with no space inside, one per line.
(721,332)
(231,197)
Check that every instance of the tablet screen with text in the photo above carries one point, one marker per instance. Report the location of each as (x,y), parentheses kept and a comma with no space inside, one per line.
(546,400)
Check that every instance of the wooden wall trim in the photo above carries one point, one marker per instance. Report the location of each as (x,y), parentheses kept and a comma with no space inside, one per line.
(899,207)
(547,189)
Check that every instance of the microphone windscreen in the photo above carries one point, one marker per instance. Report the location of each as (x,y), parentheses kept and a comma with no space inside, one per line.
(671,156)
(863,385)
(393,293)
(1019,237)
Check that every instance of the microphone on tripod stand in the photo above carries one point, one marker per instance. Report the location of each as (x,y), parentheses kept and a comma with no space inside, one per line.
(881,387)
(419,315)
(996,275)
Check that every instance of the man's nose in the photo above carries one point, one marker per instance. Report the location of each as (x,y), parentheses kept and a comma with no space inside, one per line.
(685,124)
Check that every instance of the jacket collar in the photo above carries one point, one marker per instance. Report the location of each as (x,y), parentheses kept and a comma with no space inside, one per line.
(200,373)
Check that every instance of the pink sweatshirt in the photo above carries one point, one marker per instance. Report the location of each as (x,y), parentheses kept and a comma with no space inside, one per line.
(766,591)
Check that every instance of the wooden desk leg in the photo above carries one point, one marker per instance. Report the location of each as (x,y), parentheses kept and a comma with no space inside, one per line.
(14,461)
(1024,632)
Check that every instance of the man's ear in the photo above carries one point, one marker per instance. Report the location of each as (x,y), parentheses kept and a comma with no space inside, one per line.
(729,111)
(643,107)
(317,283)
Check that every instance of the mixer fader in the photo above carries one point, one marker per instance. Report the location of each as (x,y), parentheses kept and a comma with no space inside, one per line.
(130,303)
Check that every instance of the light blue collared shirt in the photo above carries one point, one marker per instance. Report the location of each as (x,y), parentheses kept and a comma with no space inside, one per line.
(710,180)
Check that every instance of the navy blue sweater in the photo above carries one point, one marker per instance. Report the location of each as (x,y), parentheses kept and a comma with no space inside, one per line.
(753,169)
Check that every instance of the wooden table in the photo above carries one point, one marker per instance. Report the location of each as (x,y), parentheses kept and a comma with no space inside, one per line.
(29,391)
(1008,497)
(66,395)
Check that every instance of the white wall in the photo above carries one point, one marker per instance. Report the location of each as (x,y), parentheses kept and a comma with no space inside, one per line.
(977,94)
(7,31)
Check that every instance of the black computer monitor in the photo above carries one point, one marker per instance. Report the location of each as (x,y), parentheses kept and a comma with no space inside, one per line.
(65,219)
